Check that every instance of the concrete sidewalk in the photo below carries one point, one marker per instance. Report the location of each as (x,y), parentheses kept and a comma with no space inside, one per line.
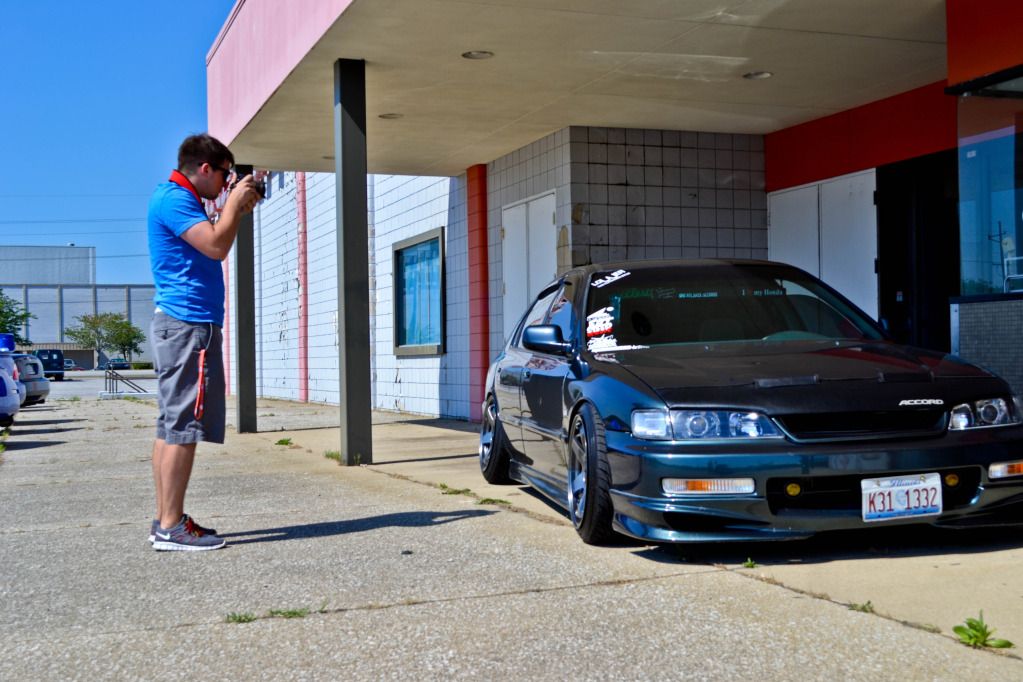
(395,579)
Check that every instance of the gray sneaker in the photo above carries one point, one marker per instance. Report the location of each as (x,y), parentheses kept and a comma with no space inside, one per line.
(185,537)
(156,526)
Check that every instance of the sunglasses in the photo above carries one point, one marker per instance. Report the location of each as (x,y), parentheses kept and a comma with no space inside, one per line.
(226,171)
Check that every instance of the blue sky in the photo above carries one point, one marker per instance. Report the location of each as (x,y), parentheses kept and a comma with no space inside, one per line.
(96,97)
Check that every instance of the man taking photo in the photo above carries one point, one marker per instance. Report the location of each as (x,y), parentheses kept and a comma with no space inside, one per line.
(185,250)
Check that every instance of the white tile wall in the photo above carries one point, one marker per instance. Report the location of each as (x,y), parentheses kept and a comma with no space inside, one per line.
(277,293)
(404,207)
(538,167)
(632,194)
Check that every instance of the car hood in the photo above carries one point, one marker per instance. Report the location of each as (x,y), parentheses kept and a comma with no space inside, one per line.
(804,376)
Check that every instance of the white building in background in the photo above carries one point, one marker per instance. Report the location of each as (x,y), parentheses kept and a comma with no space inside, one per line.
(57,284)
(48,264)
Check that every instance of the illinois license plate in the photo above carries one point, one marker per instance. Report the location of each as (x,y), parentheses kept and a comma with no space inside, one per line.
(901,497)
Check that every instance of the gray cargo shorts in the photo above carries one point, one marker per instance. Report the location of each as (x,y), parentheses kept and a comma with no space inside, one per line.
(176,348)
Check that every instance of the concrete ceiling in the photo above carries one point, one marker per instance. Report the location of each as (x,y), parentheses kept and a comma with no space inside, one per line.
(669,64)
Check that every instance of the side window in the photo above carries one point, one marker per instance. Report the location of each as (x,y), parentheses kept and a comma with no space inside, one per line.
(537,312)
(561,312)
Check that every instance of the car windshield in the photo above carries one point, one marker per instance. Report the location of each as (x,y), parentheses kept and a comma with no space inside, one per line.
(715,303)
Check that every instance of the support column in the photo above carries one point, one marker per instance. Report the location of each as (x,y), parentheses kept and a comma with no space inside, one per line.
(245,316)
(303,289)
(353,322)
(479,289)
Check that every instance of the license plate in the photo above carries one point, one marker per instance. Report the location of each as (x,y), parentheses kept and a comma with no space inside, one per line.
(900,497)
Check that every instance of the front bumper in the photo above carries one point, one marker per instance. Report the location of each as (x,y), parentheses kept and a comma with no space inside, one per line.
(829,475)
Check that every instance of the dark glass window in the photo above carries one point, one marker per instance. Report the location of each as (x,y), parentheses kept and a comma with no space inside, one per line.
(419,295)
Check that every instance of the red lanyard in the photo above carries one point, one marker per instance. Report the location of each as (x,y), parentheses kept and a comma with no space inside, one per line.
(200,394)
(178,178)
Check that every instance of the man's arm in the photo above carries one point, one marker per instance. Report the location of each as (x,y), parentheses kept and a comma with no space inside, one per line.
(214,240)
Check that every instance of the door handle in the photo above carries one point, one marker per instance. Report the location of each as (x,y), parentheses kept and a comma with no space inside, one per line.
(526,374)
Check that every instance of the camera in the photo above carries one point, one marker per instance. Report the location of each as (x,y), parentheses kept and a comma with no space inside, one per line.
(259,184)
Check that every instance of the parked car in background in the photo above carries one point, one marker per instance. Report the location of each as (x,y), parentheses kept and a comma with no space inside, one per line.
(116,363)
(31,374)
(706,401)
(10,396)
(53,362)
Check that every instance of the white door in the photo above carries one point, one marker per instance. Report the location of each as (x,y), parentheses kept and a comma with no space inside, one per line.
(529,255)
(543,244)
(793,235)
(849,238)
(514,243)
(829,229)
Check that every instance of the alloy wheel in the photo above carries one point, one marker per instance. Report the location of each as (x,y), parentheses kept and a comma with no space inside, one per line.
(487,434)
(579,451)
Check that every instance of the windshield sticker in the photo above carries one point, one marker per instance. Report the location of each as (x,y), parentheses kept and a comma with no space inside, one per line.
(603,344)
(613,277)
(599,322)
(698,294)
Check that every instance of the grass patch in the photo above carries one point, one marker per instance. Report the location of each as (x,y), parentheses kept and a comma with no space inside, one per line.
(334,455)
(865,607)
(132,399)
(240,617)
(72,399)
(749,563)
(494,500)
(283,441)
(447,490)
(977,634)
(287,613)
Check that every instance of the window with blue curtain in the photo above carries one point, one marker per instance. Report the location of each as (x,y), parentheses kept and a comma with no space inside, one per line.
(419,295)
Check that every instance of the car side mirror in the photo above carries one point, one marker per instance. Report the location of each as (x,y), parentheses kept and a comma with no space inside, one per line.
(545,338)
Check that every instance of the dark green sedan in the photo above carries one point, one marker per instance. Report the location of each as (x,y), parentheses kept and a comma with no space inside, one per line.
(679,401)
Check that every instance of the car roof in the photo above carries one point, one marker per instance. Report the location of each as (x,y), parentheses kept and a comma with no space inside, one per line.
(671,262)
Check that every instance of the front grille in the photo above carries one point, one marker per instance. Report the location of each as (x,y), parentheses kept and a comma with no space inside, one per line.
(843,493)
(828,426)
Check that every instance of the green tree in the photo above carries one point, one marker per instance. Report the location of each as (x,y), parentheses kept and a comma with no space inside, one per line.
(13,318)
(125,337)
(107,331)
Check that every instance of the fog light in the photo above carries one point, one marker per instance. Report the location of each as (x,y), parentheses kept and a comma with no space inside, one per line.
(707,486)
(793,489)
(1005,469)
(951,480)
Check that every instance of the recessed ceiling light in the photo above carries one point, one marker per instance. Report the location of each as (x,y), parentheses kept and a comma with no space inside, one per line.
(757,75)
(391,116)
(477,54)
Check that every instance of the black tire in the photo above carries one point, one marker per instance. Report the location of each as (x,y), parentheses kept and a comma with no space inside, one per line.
(589,478)
(494,452)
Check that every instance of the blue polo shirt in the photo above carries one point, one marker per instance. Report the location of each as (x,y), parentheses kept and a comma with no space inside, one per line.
(189,285)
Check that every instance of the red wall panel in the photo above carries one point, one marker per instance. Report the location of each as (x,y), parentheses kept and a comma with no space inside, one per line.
(914,123)
(983,37)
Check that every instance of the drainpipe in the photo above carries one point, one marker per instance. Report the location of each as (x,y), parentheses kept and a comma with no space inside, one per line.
(303,291)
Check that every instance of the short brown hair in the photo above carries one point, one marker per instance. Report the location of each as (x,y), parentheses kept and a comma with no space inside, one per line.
(203,148)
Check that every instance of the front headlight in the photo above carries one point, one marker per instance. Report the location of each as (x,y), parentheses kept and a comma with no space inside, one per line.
(981,413)
(701,425)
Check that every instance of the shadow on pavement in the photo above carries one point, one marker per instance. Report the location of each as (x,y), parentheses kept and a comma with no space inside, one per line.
(14,443)
(44,422)
(424,459)
(330,528)
(904,541)
(43,432)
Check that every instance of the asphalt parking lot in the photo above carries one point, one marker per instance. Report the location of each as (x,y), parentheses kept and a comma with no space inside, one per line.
(384,575)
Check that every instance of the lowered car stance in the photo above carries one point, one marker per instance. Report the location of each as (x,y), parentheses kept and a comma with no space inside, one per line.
(696,401)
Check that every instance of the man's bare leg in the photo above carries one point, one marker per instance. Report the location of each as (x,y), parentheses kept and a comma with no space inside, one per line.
(175,470)
(157,458)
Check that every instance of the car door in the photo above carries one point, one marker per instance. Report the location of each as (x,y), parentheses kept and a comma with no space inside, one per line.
(543,394)
(511,368)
